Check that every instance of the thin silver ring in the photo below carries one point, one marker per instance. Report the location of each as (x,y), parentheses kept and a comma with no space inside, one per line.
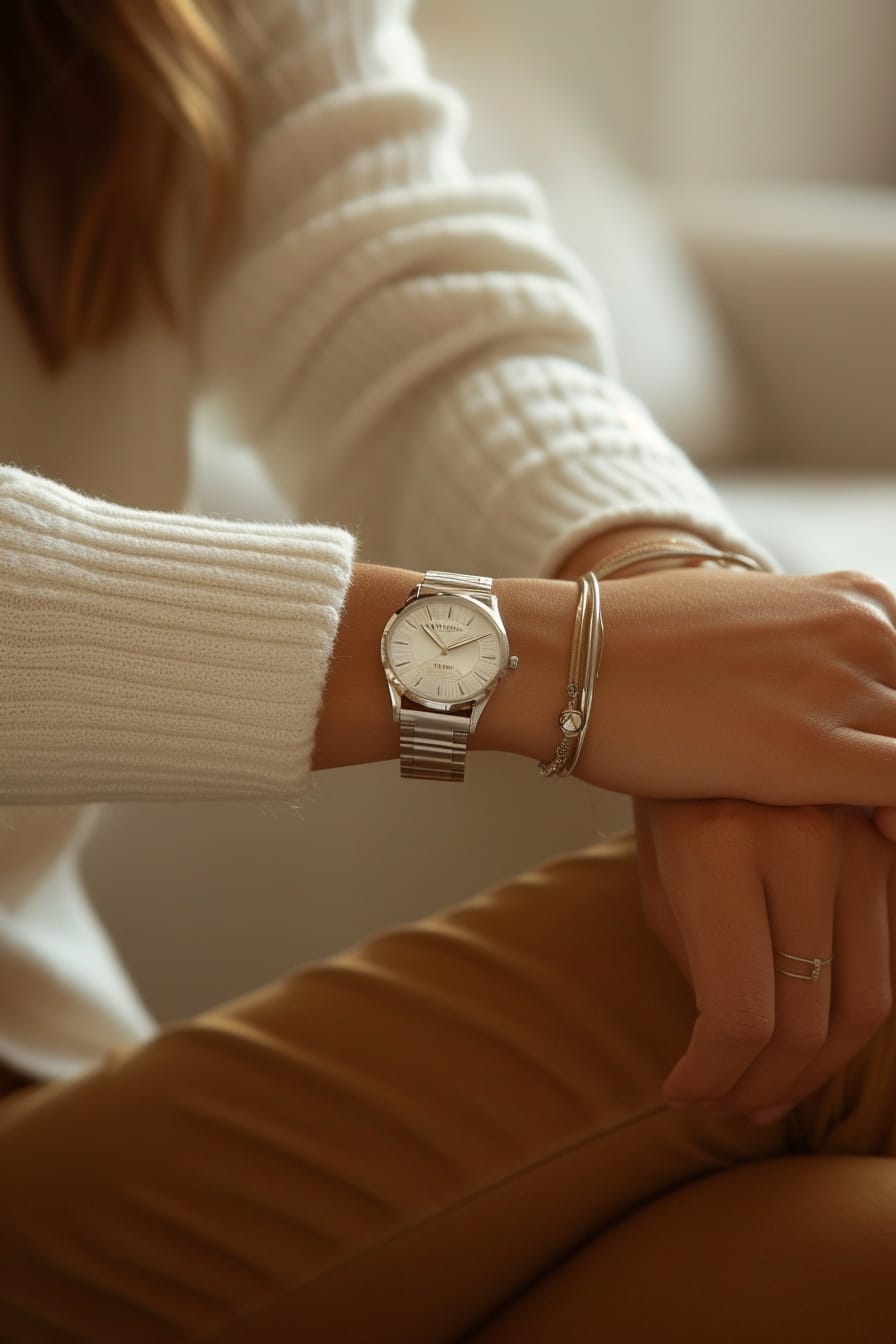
(817,964)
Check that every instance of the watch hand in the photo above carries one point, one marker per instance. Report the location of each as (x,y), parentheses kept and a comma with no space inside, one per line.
(461,642)
(434,639)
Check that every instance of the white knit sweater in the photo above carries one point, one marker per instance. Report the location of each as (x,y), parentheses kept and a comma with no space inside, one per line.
(422,366)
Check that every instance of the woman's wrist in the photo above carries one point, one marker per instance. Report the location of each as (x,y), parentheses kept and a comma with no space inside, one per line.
(355,724)
(521,716)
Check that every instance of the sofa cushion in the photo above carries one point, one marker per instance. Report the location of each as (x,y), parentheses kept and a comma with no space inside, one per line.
(814,522)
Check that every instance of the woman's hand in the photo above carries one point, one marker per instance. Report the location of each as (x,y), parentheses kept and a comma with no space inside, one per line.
(726,886)
(767,687)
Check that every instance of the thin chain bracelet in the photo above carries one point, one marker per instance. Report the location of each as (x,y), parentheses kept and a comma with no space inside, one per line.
(668,550)
(584,665)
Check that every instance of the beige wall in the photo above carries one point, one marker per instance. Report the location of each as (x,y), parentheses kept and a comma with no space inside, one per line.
(777,89)
(604,49)
(701,89)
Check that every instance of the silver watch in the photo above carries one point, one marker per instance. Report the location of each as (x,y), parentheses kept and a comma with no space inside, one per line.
(444,652)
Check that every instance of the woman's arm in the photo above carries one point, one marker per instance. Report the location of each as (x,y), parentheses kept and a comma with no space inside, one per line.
(767,687)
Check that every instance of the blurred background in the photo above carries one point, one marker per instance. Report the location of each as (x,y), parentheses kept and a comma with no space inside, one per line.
(726,169)
(730,90)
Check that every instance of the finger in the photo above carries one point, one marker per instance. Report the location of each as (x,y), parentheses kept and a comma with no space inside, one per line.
(724,927)
(801,888)
(654,901)
(801,908)
(861,975)
(866,770)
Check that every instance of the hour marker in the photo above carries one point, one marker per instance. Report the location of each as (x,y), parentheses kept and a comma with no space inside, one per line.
(489,658)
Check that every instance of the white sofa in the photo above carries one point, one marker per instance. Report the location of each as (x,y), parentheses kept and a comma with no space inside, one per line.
(759,326)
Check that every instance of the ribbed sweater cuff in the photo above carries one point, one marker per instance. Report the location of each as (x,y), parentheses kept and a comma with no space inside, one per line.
(154,655)
(535,455)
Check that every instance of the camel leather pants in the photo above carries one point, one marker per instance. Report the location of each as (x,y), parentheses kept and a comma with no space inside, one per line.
(450,1133)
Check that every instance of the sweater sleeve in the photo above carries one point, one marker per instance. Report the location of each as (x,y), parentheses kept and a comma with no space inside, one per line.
(410,348)
(155,655)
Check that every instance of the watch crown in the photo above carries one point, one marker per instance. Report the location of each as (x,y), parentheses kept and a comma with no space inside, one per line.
(513,664)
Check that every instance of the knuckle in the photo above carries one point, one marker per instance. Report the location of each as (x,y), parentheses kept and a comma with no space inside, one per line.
(874,587)
(863,583)
(865,609)
(853,823)
(727,822)
(814,824)
(745,1030)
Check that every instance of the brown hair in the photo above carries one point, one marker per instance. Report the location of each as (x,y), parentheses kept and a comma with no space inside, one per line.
(103,105)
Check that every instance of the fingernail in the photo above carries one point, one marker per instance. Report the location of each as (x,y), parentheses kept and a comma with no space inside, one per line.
(769,1115)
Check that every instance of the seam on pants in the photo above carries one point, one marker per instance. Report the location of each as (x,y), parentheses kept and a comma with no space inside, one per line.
(220,1332)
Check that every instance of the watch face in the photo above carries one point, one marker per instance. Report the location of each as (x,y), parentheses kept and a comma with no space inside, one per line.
(444,651)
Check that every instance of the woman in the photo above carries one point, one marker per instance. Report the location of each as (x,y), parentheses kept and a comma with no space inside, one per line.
(258,210)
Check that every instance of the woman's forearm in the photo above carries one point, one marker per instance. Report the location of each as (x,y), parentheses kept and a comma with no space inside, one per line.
(714,683)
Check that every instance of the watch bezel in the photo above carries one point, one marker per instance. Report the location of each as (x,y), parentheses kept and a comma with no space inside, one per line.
(400,688)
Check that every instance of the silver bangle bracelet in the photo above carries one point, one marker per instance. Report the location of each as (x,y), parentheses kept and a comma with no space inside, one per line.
(667,550)
(584,665)
(588,638)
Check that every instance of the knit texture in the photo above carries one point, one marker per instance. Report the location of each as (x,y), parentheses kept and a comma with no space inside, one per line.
(443,360)
(158,656)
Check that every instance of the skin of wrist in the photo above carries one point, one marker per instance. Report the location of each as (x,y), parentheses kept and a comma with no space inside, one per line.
(355,724)
(539,614)
(521,716)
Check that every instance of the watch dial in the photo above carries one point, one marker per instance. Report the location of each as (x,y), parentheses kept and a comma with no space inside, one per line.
(444,649)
